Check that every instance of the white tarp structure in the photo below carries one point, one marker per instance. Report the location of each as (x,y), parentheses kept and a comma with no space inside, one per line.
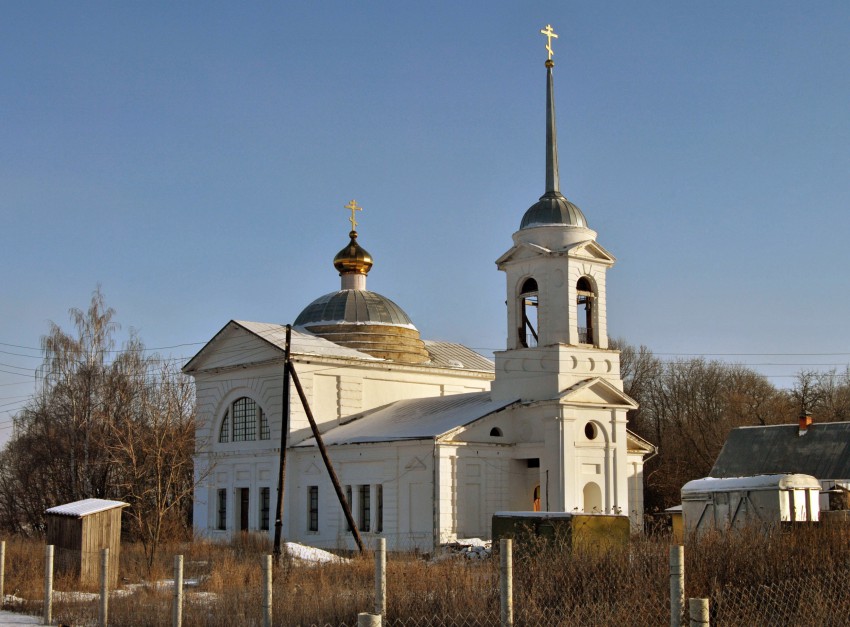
(735,502)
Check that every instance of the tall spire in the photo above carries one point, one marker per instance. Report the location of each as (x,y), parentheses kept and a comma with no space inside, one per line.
(552,209)
(553,181)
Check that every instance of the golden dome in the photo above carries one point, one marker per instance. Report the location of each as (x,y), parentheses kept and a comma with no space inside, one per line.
(353,258)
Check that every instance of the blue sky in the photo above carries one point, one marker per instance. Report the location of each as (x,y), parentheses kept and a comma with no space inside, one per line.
(194,158)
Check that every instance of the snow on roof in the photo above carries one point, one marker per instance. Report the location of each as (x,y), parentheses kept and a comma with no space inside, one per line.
(303,342)
(414,419)
(78,509)
(758,482)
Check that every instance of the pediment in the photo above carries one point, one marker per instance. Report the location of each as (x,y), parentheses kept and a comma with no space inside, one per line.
(599,392)
(592,251)
(234,345)
(522,252)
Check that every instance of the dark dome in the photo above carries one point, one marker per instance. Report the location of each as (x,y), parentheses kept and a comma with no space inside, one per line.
(353,307)
(553,210)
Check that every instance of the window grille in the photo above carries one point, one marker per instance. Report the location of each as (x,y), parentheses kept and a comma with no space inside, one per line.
(265,431)
(264,508)
(222,509)
(224,434)
(314,508)
(244,420)
(365,508)
(379,513)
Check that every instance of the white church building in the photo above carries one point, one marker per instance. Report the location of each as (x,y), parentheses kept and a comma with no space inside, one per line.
(428,439)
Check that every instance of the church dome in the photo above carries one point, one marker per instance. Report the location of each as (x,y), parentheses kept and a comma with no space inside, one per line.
(553,210)
(353,307)
(353,258)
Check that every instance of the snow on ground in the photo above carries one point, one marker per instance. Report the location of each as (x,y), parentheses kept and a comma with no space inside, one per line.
(311,554)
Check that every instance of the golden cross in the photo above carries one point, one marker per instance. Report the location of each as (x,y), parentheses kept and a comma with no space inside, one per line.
(353,207)
(550,35)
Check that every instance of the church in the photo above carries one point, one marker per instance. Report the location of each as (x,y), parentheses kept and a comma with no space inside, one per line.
(428,439)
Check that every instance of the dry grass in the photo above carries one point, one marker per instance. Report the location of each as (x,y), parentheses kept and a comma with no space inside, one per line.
(552,584)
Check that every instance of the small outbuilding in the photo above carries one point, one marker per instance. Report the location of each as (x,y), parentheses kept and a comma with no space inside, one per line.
(79,530)
(737,501)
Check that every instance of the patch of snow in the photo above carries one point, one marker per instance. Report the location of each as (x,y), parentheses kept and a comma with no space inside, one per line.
(312,554)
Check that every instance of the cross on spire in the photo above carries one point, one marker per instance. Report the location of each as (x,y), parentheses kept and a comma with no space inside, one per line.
(550,35)
(352,206)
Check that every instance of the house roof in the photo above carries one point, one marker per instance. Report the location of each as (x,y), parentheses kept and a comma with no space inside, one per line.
(414,419)
(78,509)
(823,452)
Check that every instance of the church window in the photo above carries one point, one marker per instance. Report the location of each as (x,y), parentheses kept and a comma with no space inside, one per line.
(224,434)
(222,510)
(379,509)
(591,431)
(495,432)
(313,492)
(265,503)
(365,507)
(241,422)
(528,298)
(584,299)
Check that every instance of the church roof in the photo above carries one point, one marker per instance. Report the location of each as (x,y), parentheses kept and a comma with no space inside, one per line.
(353,307)
(823,452)
(414,419)
(451,355)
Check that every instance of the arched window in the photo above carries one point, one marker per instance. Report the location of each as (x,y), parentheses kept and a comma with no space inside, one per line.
(242,421)
(592,498)
(584,299)
(495,432)
(528,310)
(535,499)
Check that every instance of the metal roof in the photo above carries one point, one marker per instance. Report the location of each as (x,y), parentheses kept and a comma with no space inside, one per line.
(78,509)
(414,419)
(451,355)
(553,210)
(823,452)
(353,307)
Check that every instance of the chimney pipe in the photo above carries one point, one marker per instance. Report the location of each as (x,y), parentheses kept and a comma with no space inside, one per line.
(805,423)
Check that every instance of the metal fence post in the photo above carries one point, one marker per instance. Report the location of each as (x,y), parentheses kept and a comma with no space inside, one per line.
(177,605)
(267,591)
(677,584)
(103,615)
(2,572)
(698,609)
(506,576)
(48,584)
(381,577)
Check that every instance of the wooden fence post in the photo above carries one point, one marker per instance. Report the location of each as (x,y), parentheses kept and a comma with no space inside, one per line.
(677,584)
(267,591)
(103,615)
(48,584)
(177,604)
(698,609)
(507,574)
(381,578)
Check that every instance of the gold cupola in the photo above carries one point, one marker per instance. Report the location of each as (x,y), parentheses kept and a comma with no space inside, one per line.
(353,259)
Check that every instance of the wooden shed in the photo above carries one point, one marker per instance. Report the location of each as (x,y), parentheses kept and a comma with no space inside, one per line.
(79,530)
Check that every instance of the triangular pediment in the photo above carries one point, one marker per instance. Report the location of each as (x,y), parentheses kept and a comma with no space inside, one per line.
(592,251)
(522,252)
(599,392)
(234,345)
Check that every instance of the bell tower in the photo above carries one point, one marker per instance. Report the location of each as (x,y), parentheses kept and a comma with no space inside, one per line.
(557,333)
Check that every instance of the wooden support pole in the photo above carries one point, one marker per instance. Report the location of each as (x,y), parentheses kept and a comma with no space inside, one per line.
(324,451)
(177,602)
(103,614)
(284,435)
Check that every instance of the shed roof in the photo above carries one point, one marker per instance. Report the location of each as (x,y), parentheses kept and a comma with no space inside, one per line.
(823,452)
(78,509)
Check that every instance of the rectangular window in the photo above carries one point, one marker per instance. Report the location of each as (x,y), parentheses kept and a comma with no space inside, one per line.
(314,508)
(222,510)
(348,500)
(379,508)
(265,494)
(365,508)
